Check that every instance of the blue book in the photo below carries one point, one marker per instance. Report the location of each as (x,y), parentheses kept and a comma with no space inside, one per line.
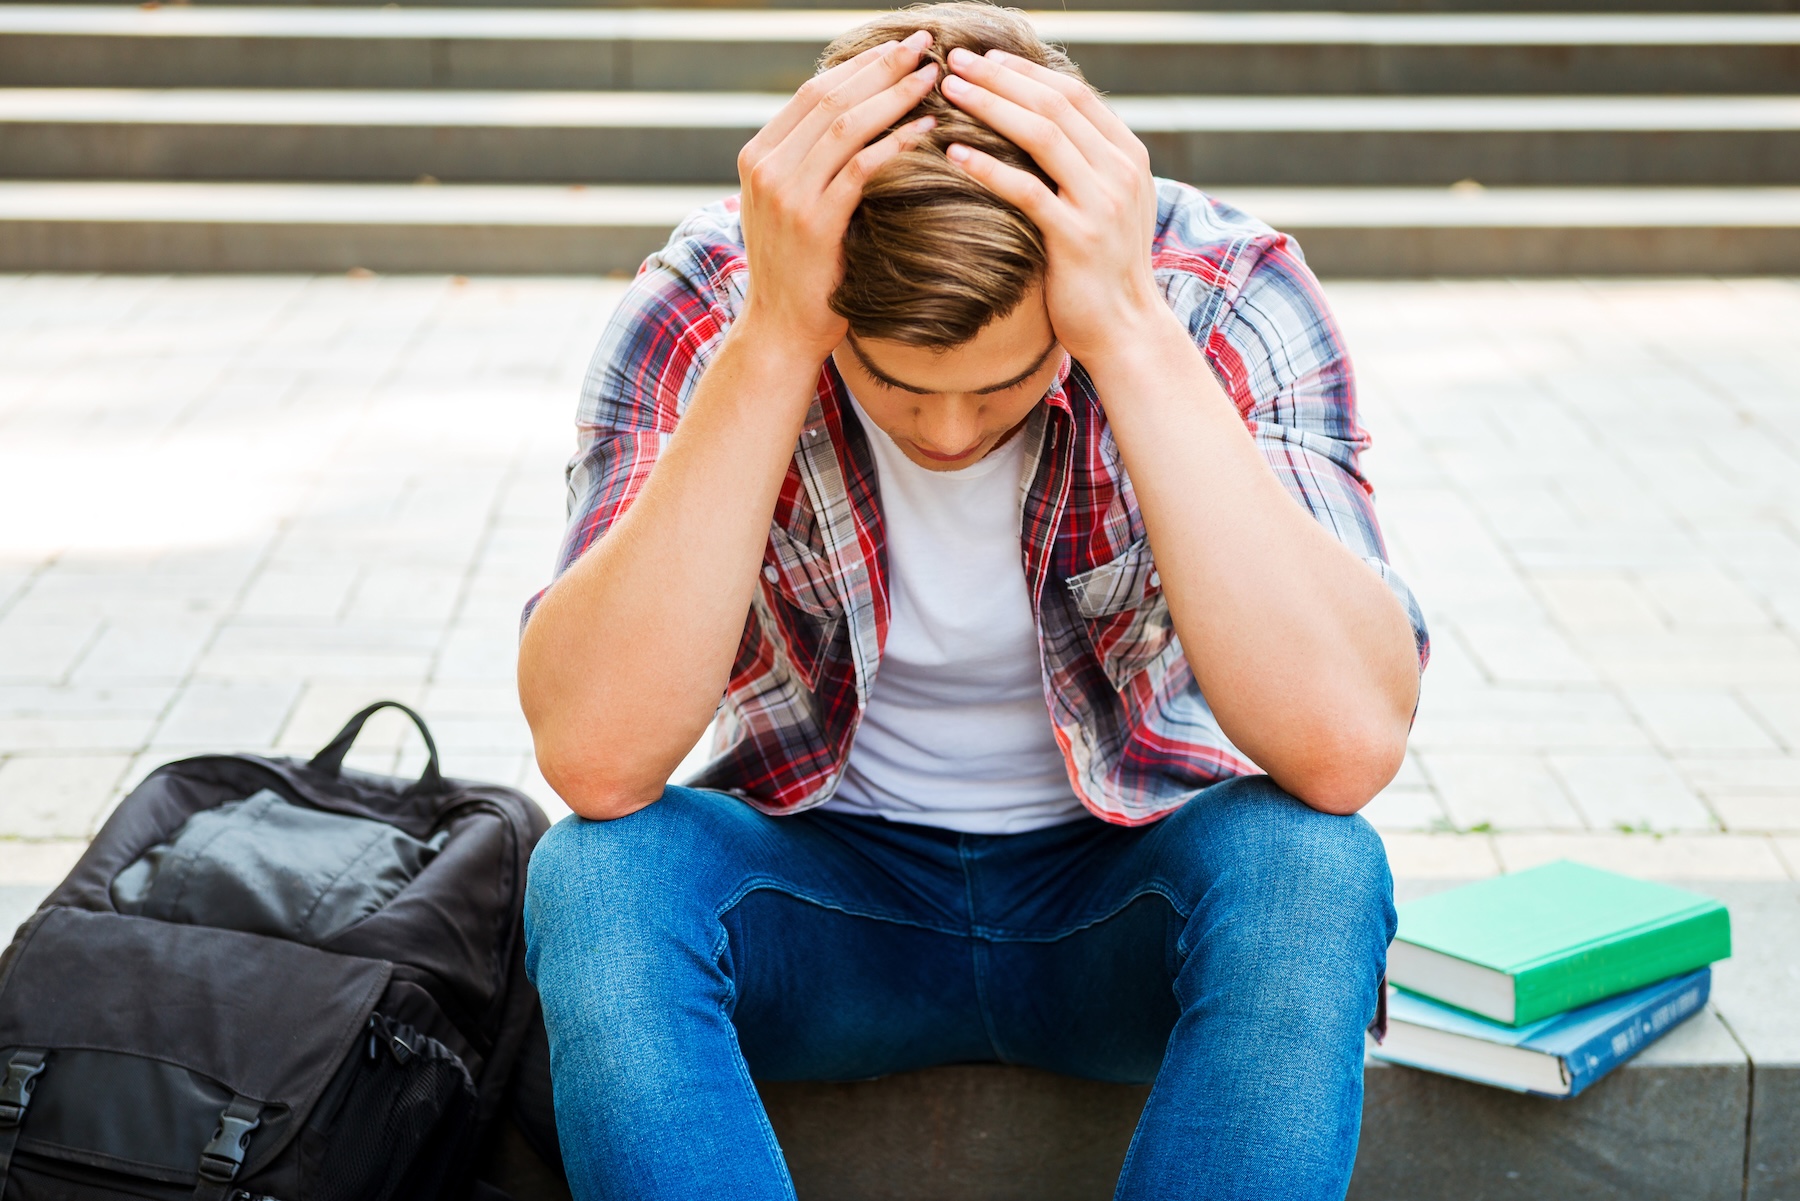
(1554,1057)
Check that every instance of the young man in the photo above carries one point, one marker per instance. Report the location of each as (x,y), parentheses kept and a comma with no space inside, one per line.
(953,468)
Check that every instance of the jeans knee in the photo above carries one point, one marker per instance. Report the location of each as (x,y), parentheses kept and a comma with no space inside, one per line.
(601,886)
(1326,870)
(1336,858)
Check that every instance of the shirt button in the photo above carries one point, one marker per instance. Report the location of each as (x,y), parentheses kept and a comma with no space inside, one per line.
(1156,579)
(770,574)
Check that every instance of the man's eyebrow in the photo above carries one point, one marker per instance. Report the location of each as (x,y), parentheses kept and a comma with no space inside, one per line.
(891,382)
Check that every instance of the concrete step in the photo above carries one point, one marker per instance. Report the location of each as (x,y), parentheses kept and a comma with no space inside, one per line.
(693,137)
(1346,232)
(56,45)
(1708,1113)
(1261,6)
(1670,1126)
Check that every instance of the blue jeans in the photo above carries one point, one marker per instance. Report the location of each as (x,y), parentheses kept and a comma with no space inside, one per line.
(1230,952)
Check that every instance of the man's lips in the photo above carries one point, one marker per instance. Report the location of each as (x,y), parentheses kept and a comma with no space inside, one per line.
(955,458)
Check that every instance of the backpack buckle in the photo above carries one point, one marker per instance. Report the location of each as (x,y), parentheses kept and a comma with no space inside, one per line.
(224,1155)
(22,1071)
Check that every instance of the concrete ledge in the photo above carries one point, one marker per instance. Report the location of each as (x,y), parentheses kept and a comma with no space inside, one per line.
(1669,1125)
(70,45)
(974,1131)
(623,137)
(1257,6)
(1757,990)
(156,227)
(1346,232)
(1709,1113)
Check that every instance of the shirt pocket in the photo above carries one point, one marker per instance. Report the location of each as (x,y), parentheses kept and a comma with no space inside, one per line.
(1125,612)
(801,575)
(799,602)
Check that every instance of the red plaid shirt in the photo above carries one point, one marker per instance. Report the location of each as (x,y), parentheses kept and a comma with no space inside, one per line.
(1137,736)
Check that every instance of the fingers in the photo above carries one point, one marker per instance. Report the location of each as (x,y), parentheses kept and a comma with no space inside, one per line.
(849,133)
(846,190)
(805,100)
(895,64)
(1021,189)
(1043,137)
(1084,98)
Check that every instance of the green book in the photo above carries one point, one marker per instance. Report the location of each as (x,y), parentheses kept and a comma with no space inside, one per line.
(1536,943)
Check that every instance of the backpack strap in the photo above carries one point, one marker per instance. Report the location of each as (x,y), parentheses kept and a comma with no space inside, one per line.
(330,760)
(23,1067)
(223,1157)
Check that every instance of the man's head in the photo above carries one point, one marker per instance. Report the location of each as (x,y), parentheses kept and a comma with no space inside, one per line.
(950,345)
(931,256)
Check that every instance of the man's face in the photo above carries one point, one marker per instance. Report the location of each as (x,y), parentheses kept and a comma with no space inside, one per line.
(945,409)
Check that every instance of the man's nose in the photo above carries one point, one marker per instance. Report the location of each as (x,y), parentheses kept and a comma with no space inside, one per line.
(952,426)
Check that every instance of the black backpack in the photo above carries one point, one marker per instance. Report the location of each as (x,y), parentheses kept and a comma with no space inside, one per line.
(276,979)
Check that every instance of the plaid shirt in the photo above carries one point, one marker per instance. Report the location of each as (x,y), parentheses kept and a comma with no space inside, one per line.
(1137,736)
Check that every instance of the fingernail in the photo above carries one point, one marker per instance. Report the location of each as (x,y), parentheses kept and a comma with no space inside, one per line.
(961,58)
(918,40)
(997,55)
(927,71)
(956,152)
(923,124)
(955,84)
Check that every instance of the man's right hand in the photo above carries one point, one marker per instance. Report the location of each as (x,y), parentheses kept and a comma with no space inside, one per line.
(624,661)
(802,176)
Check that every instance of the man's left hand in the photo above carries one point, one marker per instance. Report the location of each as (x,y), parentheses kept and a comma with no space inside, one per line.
(1097,224)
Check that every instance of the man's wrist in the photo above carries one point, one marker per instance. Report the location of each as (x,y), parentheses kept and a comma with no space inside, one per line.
(1138,347)
(779,344)
(757,384)
(1115,316)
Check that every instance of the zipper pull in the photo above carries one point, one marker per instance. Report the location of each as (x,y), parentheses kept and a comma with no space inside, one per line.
(400,1045)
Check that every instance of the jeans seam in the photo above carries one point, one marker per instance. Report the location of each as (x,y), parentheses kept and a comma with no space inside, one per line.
(727,1008)
(770,1142)
(763,883)
(1137,1135)
(1149,888)
(978,953)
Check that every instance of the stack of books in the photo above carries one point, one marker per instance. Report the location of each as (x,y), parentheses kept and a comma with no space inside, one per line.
(1545,980)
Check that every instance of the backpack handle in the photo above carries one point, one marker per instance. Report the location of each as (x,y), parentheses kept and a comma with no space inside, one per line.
(330,760)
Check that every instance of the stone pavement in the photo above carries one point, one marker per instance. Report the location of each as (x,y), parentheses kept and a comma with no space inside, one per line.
(233,510)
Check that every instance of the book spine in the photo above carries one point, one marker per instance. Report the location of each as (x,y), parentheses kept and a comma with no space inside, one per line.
(1635,1031)
(1621,964)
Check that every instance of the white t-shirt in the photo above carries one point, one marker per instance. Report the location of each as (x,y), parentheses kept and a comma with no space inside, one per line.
(957,731)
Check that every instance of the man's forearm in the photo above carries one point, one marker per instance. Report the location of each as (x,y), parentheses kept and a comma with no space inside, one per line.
(1304,655)
(622,664)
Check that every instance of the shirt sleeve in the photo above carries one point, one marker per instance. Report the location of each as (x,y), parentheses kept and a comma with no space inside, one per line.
(654,349)
(1280,356)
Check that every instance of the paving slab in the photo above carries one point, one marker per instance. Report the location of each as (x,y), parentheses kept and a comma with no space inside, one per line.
(307,579)
(370,397)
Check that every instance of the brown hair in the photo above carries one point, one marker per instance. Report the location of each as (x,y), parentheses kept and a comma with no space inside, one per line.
(931,256)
